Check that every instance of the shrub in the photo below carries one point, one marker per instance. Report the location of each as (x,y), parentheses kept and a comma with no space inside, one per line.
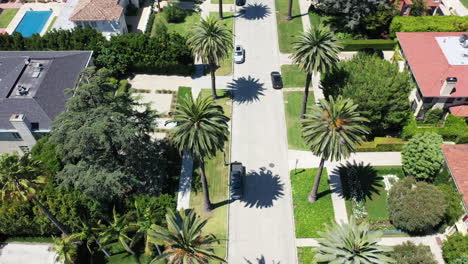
(428,24)
(174,14)
(382,144)
(415,207)
(376,44)
(461,260)
(410,253)
(159,26)
(183,92)
(455,247)
(124,87)
(433,116)
(45,152)
(149,25)
(454,206)
(454,129)
(422,156)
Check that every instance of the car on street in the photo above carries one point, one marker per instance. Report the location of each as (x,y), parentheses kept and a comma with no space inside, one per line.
(239,54)
(240,2)
(276,80)
(237,180)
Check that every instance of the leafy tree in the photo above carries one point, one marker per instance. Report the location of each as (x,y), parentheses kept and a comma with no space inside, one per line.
(461,260)
(211,41)
(419,8)
(117,231)
(453,200)
(415,207)
(351,12)
(45,152)
(376,24)
(455,247)
(184,240)
(201,130)
(422,156)
(20,178)
(316,50)
(175,14)
(410,253)
(351,243)
(433,116)
(332,129)
(379,87)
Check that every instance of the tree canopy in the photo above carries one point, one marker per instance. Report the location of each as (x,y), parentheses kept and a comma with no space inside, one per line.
(379,88)
(422,156)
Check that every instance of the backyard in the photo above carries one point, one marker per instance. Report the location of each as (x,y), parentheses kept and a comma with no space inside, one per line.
(309,217)
(6,15)
(182,28)
(292,104)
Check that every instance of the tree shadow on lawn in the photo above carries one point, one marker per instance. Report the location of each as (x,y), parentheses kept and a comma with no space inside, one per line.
(262,188)
(363,176)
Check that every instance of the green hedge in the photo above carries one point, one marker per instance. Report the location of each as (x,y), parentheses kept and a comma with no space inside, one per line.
(455,129)
(382,144)
(182,92)
(428,24)
(360,44)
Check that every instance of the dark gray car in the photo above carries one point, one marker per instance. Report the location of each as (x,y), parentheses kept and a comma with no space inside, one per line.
(237,180)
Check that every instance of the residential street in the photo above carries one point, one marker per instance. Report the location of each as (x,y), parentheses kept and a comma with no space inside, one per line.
(261,226)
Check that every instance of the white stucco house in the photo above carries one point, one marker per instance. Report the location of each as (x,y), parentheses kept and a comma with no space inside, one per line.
(107,16)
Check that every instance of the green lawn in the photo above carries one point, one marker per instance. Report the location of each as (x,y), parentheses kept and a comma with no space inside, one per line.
(288,31)
(6,16)
(181,28)
(310,217)
(305,255)
(217,175)
(292,76)
(224,2)
(465,3)
(226,65)
(293,104)
(51,25)
(126,258)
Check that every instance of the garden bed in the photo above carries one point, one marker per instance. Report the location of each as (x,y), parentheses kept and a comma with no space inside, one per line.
(309,218)
(292,105)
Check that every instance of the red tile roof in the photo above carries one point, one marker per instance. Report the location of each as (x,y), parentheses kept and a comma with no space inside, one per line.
(428,64)
(97,10)
(459,110)
(457,160)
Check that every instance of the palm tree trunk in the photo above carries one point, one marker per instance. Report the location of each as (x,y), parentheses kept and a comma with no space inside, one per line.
(125,245)
(213,80)
(290,10)
(221,10)
(102,248)
(306,95)
(313,193)
(51,217)
(207,203)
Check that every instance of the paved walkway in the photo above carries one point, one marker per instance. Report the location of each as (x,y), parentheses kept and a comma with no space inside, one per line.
(38,253)
(185,183)
(63,20)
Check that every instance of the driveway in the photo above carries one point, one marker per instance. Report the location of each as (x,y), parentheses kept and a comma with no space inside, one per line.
(261,228)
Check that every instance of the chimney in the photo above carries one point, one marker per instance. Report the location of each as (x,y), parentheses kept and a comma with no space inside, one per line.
(448,86)
(23,127)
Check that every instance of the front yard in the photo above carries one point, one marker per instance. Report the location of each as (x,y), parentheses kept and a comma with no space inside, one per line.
(293,77)
(6,15)
(293,104)
(226,65)
(288,30)
(309,217)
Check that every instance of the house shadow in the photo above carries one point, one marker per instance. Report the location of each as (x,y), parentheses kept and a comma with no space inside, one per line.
(265,188)
(255,11)
(261,260)
(246,90)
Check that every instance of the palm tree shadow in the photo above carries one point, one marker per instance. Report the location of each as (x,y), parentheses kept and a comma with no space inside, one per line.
(260,260)
(255,11)
(365,176)
(266,189)
(246,90)
(222,203)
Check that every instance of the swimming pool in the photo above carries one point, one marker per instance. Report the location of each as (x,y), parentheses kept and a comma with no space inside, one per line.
(33,22)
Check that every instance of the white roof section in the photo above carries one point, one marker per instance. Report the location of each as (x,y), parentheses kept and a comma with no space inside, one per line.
(453,50)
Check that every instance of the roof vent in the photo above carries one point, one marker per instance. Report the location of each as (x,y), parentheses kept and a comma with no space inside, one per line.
(37,68)
(22,90)
(464,44)
(463,38)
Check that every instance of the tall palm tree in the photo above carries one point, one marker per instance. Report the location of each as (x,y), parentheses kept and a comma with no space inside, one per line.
(20,178)
(66,250)
(290,10)
(211,41)
(201,129)
(316,50)
(220,7)
(117,230)
(351,243)
(145,219)
(88,235)
(332,129)
(184,240)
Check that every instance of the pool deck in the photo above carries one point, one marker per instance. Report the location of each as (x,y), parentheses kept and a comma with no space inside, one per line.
(56,8)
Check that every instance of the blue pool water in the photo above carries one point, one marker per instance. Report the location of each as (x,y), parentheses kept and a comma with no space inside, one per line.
(32,22)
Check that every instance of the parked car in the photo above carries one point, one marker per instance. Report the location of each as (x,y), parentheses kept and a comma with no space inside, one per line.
(240,2)
(276,80)
(237,180)
(239,54)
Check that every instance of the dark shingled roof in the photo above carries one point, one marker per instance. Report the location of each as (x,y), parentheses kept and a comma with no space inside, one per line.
(49,99)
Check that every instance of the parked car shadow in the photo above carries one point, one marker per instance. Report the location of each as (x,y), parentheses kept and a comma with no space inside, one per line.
(246,90)
(261,260)
(265,188)
(255,11)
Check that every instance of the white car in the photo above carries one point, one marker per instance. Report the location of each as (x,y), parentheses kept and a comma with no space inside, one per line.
(239,54)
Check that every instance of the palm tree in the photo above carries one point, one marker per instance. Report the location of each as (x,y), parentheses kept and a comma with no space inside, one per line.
(220,7)
(351,243)
(332,129)
(202,129)
(290,10)
(211,41)
(20,178)
(117,230)
(316,50)
(145,219)
(88,235)
(184,240)
(66,250)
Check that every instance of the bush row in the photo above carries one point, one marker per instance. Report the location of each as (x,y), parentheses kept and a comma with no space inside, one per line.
(382,144)
(455,129)
(428,24)
(360,44)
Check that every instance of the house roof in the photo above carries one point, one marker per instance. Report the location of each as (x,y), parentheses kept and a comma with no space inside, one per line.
(46,98)
(429,64)
(97,10)
(459,110)
(457,161)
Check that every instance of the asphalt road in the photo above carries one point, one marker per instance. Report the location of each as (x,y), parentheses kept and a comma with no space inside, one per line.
(261,229)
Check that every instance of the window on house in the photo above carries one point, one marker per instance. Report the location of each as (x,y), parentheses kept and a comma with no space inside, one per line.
(427,100)
(34,126)
(16,135)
